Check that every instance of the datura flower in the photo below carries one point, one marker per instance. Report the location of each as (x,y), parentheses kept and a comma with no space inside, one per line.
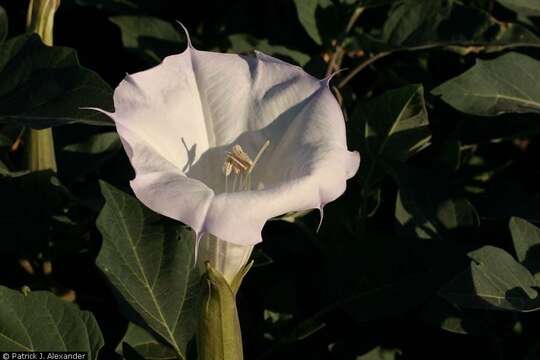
(224,142)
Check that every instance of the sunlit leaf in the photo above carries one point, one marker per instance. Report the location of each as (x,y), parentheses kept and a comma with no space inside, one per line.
(526,238)
(143,343)
(380,353)
(504,85)
(307,11)
(40,321)
(494,280)
(150,264)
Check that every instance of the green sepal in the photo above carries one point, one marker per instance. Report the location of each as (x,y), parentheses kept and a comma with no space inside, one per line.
(219,336)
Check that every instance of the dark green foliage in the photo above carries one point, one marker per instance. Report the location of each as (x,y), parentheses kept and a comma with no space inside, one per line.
(434,244)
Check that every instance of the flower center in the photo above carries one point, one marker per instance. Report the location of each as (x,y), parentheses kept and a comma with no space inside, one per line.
(239,165)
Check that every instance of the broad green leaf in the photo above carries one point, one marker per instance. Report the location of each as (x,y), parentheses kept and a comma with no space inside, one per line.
(154,37)
(525,7)
(381,353)
(391,128)
(425,206)
(151,264)
(89,155)
(426,24)
(40,321)
(97,144)
(243,43)
(494,280)
(3,25)
(143,343)
(43,86)
(307,14)
(492,87)
(438,312)
(526,238)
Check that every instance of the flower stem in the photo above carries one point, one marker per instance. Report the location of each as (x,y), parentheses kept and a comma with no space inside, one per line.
(337,56)
(219,336)
(371,59)
(40,149)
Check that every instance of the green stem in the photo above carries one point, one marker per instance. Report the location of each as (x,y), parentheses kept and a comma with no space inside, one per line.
(40,144)
(219,336)
(337,56)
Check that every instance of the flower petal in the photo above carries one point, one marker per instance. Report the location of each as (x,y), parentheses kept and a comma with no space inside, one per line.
(306,167)
(178,119)
(162,187)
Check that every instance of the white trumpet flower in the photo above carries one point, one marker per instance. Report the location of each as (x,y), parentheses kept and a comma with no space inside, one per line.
(224,142)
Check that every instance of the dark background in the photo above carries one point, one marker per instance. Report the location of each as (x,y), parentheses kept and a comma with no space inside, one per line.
(362,288)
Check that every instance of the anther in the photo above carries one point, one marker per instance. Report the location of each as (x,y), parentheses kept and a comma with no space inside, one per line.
(237,160)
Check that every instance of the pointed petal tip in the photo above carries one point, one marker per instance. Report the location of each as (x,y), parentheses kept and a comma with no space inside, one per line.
(328,78)
(110,114)
(321,213)
(188,38)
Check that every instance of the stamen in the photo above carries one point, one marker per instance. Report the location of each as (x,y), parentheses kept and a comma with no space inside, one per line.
(259,154)
(238,162)
(227,168)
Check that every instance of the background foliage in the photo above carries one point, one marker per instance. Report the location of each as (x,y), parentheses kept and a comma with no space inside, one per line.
(431,253)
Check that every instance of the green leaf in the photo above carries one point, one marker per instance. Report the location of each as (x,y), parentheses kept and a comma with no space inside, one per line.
(381,353)
(526,238)
(153,37)
(494,280)
(143,343)
(424,207)
(391,128)
(3,25)
(525,7)
(244,43)
(89,155)
(151,264)
(43,86)
(440,313)
(307,10)
(97,144)
(427,24)
(492,87)
(40,321)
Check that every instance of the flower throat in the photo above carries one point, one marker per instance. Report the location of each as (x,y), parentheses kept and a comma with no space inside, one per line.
(239,165)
